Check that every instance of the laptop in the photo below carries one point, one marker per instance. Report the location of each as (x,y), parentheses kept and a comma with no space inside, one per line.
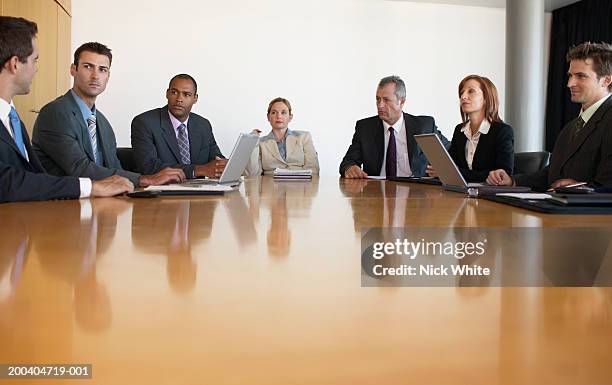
(449,173)
(238,160)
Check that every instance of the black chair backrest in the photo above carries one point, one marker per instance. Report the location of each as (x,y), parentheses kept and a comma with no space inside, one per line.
(530,162)
(126,157)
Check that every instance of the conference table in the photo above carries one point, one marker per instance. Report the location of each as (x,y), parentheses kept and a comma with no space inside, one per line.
(264,286)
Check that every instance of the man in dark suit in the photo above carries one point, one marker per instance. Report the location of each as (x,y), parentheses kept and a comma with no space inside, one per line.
(22,177)
(384,144)
(583,151)
(172,136)
(72,137)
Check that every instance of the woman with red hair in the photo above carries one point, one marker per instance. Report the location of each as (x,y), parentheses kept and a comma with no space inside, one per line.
(482,142)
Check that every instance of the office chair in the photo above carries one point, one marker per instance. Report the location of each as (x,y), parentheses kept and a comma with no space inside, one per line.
(530,162)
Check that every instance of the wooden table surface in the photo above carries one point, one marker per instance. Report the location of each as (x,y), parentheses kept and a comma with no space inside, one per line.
(263,286)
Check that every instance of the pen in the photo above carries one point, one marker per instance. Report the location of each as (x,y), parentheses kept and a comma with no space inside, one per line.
(570,185)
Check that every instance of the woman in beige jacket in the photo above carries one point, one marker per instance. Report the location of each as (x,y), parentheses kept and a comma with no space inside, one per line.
(282,147)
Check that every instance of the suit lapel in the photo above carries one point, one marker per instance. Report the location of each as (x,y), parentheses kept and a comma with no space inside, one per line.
(273,149)
(103,133)
(588,128)
(410,131)
(5,136)
(291,146)
(484,144)
(195,139)
(379,144)
(168,133)
(78,116)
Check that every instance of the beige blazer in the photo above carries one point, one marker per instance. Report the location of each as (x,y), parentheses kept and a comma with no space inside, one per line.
(301,155)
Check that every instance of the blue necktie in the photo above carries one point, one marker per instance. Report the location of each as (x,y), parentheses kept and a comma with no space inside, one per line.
(16,124)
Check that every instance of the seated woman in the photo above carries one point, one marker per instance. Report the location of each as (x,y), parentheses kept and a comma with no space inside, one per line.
(282,147)
(483,142)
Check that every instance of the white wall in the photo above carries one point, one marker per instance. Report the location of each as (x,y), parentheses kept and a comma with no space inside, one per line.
(326,57)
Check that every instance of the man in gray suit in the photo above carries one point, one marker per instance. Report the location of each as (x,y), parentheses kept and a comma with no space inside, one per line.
(583,151)
(72,137)
(22,177)
(172,136)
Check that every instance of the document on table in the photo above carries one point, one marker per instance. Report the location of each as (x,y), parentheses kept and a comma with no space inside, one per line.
(532,196)
(377,177)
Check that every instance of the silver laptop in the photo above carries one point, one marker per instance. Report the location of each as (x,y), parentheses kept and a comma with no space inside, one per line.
(449,173)
(238,160)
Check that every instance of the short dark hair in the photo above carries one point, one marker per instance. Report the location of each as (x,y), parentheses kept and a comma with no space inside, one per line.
(94,47)
(600,53)
(185,77)
(16,34)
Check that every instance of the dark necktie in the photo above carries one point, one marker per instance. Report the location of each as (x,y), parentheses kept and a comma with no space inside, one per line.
(16,125)
(391,159)
(577,127)
(183,142)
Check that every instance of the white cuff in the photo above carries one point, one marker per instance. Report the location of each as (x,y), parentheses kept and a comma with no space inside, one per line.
(85,185)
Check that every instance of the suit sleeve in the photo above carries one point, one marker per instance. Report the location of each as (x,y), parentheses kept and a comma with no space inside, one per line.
(538,181)
(254,167)
(504,156)
(17,185)
(603,175)
(214,148)
(311,160)
(54,135)
(353,156)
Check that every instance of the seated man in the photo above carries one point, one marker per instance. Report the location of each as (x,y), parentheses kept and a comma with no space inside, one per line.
(384,144)
(172,136)
(583,151)
(22,177)
(72,137)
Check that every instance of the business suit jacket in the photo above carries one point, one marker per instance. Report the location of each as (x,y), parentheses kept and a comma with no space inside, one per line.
(155,145)
(588,158)
(23,180)
(495,150)
(61,140)
(368,145)
(301,155)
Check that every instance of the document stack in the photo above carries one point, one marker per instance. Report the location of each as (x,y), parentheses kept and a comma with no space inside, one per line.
(280,173)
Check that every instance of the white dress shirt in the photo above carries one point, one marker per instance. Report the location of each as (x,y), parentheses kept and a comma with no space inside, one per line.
(401,147)
(472,140)
(589,112)
(5,108)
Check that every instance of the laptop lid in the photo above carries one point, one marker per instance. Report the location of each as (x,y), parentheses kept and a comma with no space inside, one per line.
(239,158)
(440,159)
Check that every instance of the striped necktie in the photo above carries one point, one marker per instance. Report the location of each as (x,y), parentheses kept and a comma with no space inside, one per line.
(183,142)
(91,127)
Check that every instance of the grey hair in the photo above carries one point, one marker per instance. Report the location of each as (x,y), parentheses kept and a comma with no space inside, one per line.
(400,87)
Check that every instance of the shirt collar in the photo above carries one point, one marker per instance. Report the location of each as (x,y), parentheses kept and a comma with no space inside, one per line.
(271,136)
(85,111)
(484,128)
(589,112)
(175,122)
(397,126)
(5,108)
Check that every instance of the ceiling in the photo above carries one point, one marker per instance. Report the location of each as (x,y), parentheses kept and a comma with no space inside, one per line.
(549,5)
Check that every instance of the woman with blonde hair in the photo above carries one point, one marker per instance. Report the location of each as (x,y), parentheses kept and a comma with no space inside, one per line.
(282,147)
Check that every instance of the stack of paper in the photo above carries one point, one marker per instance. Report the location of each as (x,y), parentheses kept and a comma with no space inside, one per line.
(280,173)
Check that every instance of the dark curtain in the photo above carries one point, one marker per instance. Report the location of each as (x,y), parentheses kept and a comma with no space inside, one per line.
(587,20)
